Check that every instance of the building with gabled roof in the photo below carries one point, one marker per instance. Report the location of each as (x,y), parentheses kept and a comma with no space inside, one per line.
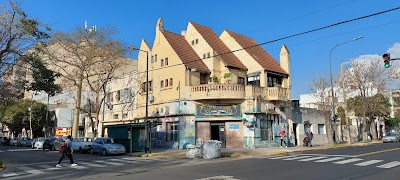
(210,87)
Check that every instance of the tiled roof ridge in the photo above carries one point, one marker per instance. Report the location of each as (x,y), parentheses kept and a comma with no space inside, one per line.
(218,46)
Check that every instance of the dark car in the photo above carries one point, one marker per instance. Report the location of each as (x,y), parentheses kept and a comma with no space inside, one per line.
(4,141)
(24,142)
(49,144)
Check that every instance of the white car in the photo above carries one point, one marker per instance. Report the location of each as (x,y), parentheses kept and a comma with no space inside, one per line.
(13,142)
(38,144)
(81,144)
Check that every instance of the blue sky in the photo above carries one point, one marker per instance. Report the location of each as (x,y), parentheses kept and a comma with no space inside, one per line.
(262,20)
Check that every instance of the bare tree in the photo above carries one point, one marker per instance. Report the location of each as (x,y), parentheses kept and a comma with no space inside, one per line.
(321,91)
(367,80)
(18,33)
(82,57)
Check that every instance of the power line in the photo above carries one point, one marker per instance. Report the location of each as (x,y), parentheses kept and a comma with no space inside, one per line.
(283,38)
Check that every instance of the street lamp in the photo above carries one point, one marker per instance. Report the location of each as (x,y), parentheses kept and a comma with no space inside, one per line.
(147,97)
(330,70)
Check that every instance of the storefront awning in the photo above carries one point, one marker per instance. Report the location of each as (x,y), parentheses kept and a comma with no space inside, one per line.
(126,125)
(223,118)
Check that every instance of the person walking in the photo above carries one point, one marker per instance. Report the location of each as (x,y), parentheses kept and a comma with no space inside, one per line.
(310,138)
(68,151)
(282,133)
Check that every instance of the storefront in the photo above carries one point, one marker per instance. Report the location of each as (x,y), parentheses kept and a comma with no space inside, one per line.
(220,122)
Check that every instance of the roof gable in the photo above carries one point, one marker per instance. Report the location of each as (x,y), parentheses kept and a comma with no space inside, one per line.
(185,51)
(218,46)
(258,53)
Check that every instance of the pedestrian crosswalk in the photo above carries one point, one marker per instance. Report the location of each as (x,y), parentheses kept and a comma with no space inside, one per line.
(92,164)
(336,159)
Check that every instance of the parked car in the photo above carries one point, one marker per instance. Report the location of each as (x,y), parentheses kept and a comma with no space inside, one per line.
(38,143)
(57,143)
(4,141)
(391,137)
(107,146)
(49,144)
(24,142)
(13,142)
(81,144)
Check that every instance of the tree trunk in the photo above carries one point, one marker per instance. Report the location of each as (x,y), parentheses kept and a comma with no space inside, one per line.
(75,126)
(329,131)
(373,130)
(365,130)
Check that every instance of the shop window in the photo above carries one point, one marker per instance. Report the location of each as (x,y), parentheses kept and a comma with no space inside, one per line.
(172,131)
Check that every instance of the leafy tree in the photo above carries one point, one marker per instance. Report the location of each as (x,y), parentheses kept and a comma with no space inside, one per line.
(17,116)
(341,115)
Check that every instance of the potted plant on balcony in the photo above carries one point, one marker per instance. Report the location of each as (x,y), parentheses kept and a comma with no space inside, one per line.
(227,77)
(214,80)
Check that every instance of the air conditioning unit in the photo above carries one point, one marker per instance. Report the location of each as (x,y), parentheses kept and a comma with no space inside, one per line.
(151,98)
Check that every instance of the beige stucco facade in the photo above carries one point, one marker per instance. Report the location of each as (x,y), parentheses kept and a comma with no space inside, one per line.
(234,107)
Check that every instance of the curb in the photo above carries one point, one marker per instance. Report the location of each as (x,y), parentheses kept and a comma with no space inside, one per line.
(239,154)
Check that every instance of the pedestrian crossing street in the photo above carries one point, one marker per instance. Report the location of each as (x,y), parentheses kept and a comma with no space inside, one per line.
(336,159)
(82,165)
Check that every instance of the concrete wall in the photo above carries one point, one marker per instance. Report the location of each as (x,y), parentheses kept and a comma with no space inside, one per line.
(307,117)
(203,131)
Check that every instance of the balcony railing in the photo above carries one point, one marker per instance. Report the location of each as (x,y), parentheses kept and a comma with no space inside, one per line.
(277,93)
(268,93)
(217,91)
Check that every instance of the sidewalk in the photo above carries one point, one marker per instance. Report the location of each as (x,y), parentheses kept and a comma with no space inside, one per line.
(181,153)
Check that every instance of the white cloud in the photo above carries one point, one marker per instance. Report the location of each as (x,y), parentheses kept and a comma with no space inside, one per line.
(394,50)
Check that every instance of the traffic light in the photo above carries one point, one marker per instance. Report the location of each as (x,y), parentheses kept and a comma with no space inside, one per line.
(386,60)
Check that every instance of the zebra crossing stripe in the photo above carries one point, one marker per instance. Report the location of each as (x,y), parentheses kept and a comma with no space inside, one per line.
(281,157)
(329,159)
(295,158)
(78,167)
(389,165)
(48,167)
(93,164)
(29,170)
(366,163)
(124,161)
(112,163)
(9,174)
(312,159)
(347,161)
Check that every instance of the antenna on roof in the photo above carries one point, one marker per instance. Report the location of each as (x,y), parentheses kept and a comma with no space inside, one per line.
(91,29)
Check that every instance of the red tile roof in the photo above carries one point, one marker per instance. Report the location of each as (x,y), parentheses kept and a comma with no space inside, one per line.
(258,53)
(218,46)
(185,51)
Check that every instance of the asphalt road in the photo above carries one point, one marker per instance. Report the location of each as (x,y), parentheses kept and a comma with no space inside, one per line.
(379,161)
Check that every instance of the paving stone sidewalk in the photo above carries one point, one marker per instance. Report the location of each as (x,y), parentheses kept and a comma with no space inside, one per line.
(181,153)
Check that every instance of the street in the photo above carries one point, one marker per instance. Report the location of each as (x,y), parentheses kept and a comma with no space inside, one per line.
(363,162)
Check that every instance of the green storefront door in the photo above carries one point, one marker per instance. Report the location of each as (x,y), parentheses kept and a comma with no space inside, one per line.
(138,139)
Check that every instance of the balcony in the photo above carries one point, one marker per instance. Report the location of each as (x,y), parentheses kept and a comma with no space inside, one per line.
(217,91)
(268,93)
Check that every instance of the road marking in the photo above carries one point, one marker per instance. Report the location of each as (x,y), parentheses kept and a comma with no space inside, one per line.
(78,167)
(389,165)
(376,152)
(92,165)
(294,158)
(1,151)
(29,170)
(329,159)
(9,174)
(312,159)
(219,177)
(348,161)
(16,150)
(112,163)
(366,163)
(124,161)
(47,167)
(327,155)
(281,157)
